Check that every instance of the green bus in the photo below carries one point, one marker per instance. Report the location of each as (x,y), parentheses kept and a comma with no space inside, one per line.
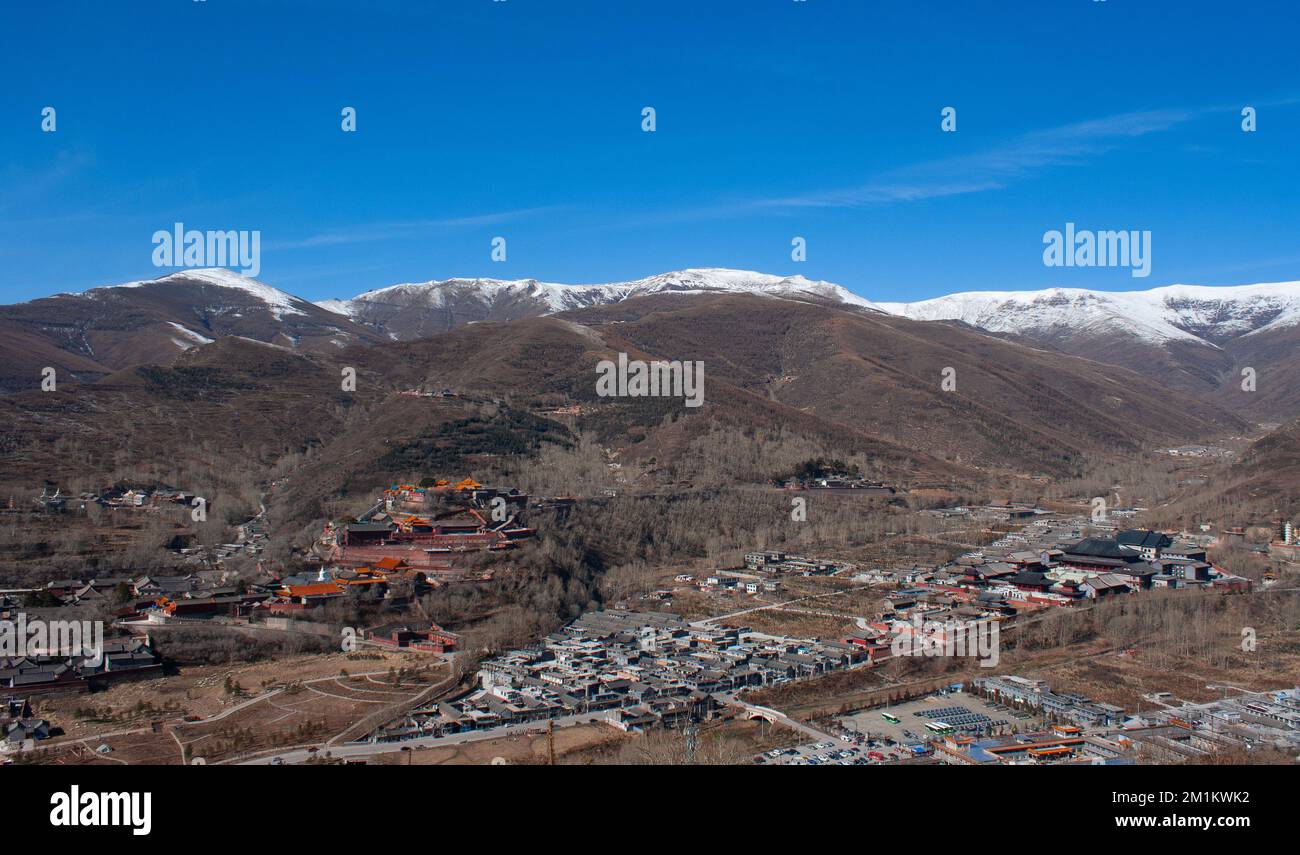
(892,719)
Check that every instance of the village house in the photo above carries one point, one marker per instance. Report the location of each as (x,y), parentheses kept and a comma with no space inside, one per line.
(642,669)
(121,660)
(1148,544)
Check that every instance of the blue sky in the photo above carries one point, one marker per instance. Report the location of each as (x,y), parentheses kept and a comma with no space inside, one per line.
(775,119)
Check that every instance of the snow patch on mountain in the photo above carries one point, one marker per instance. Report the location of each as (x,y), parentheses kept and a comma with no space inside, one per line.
(338,307)
(191,337)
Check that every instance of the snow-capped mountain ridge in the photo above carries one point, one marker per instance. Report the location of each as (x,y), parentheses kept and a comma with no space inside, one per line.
(278,302)
(115,326)
(420,309)
(1197,339)
(557,297)
(1209,315)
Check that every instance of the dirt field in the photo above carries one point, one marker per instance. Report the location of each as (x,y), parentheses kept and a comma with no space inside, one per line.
(832,614)
(793,622)
(284,702)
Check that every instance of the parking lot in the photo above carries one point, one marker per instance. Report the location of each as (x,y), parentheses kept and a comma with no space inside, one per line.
(837,752)
(967,714)
(867,738)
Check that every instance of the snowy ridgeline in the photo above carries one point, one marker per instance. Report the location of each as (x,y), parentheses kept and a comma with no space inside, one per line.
(1195,313)
(1199,313)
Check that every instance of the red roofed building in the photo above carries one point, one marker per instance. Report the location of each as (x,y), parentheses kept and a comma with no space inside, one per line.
(312,595)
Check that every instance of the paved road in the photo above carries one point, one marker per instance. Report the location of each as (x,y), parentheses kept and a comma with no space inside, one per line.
(370,749)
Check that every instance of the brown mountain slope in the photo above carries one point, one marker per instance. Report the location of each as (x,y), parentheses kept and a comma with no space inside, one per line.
(153,321)
(243,405)
(1015,407)
(781,379)
(1189,337)
(1275,357)
(546,363)
(233,403)
(1260,487)
(25,354)
(1203,371)
(1266,480)
(1192,367)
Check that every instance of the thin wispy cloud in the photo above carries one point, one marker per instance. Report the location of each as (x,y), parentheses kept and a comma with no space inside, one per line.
(405,229)
(1018,159)
(993,168)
